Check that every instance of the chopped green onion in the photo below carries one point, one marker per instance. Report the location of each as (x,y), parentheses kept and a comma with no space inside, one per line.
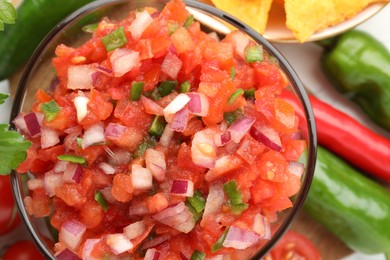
(50,110)
(254,53)
(149,142)
(197,201)
(157,126)
(114,39)
(101,200)
(198,255)
(90,28)
(232,193)
(185,87)
(231,117)
(167,87)
(72,158)
(172,27)
(250,93)
(233,98)
(219,244)
(232,73)
(189,21)
(136,90)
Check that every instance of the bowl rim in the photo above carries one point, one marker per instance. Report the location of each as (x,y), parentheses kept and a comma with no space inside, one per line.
(283,63)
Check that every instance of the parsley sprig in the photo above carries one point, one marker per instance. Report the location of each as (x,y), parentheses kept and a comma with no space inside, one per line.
(8,14)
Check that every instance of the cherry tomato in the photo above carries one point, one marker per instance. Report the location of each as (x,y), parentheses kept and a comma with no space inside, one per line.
(9,215)
(294,246)
(22,250)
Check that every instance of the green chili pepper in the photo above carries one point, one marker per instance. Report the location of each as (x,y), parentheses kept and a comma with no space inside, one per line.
(158,125)
(231,117)
(254,53)
(235,198)
(198,255)
(72,158)
(101,200)
(115,39)
(350,205)
(233,98)
(136,90)
(50,110)
(35,20)
(250,93)
(197,201)
(359,66)
(185,87)
(167,87)
(219,244)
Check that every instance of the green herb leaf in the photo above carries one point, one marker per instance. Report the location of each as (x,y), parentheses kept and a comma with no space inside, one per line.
(50,110)
(115,39)
(197,255)
(72,158)
(8,14)
(13,149)
(3,97)
(101,200)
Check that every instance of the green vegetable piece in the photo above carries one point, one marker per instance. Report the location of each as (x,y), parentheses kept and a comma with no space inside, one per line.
(231,117)
(79,141)
(115,39)
(233,98)
(219,244)
(185,87)
(239,208)
(50,109)
(149,142)
(72,158)
(197,201)
(195,214)
(136,90)
(158,125)
(198,255)
(232,193)
(232,73)
(254,53)
(189,21)
(8,14)
(101,200)
(3,97)
(13,149)
(250,93)
(172,27)
(167,87)
(90,28)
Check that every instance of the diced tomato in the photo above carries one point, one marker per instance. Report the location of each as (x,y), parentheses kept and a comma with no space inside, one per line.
(249,149)
(99,108)
(122,187)
(51,154)
(70,194)
(131,139)
(293,149)
(222,52)
(262,190)
(42,96)
(182,40)
(267,74)
(285,120)
(129,112)
(273,166)
(184,159)
(91,214)
(175,11)
(237,104)
(28,162)
(151,77)
(62,213)
(38,204)
(157,203)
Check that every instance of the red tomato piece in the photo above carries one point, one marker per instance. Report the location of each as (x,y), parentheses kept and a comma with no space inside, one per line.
(23,249)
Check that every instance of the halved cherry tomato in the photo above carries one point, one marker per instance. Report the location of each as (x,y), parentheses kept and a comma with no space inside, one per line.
(9,215)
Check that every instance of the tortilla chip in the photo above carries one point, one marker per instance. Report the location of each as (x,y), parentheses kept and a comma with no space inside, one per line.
(252,12)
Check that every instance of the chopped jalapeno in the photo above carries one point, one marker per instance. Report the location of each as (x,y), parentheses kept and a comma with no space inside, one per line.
(185,87)
(136,90)
(232,73)
(231,117)
(72,158)
(157,126)
(232,192)
(254,53)
(189,21)
(250,93)
(114,39)
(233,98)
(198,255)
(219,244)
(197,201)
(195,214)
(50,110)
(167,87)
(101,200)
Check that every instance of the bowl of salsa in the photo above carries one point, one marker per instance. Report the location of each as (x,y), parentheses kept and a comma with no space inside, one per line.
(160,130)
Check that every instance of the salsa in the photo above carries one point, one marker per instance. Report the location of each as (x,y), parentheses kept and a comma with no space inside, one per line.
(161,141)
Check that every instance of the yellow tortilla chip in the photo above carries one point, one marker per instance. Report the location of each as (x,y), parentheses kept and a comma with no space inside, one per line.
(252,12)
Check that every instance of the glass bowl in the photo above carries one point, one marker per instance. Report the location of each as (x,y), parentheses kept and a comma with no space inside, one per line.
(39,73)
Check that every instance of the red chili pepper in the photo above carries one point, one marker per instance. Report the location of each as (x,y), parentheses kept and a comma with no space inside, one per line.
(348,138)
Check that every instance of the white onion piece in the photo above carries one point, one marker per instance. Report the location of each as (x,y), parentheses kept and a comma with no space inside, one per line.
(80,76)
(178,217)
(34,184)
(152,254)
(88,247)
(268,136)
(114,131)
(60,166)
(155,162)
(262,226)
(203,148)
(182,188)
(118,243)
(52,180)
(140,23)
(240,238)
(134,229)
(166,136)
(73,173)
(71,233)
(81,105)
(171,65)
(239,128)
(49,137)
(141,177)
(123,61)
(93,135)
(118,156)
(151,107)
(215,199)
(67,254)
(222,138)
(176,104)
(199,104)
(240,41)
(296,168)
(155,242)
(106,168)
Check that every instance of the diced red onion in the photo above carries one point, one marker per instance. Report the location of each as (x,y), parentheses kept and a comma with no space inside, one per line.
(67,254)
(262,226)
(114,131)
(268,136)
(222,138)
(71,233)
(123,61)
(134,229)
(93,135)
(152,254)
(49,137)
(151,107)
(34,184)
(118,243)
(60,166)
(104,70)
(180,120)
(30,123)
(296,168)
(240,41)
(176,104)
(171,65)
(140,23)
(178,217)
(166,136)
(240,238)
(182,188)
(73,173)
(106,168)
(155,162)
(88,248)
(199,104)
(52,180)
(118,156)
(81,105)
(215,199)
(203,148)
(141,177)
(240,127)
(155,242)
(80,76)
